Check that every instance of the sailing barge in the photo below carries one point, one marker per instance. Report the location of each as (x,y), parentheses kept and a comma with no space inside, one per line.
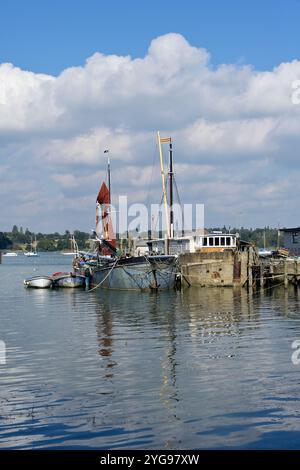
(111,271)
(136,273)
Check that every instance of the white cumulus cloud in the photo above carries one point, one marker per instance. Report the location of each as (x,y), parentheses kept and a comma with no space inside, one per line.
(235,130)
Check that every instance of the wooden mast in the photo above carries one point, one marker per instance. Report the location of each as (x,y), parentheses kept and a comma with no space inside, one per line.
(162,171)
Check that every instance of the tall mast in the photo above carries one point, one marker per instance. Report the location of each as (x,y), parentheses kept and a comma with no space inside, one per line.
(108,177)
(108,174)
(171,174)
(162,171)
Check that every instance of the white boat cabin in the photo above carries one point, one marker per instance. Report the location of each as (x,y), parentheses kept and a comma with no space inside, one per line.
(194,243)
(216,240)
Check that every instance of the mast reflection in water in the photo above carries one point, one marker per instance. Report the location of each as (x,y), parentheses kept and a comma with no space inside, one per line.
(203,368)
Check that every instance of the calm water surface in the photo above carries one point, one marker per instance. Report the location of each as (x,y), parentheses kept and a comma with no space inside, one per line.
(204,368)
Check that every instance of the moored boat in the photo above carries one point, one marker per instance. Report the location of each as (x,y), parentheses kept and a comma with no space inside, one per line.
(136,273)
(74,248)
(72,280)
(10,254)
(110,270)
(38,282)
(32,252)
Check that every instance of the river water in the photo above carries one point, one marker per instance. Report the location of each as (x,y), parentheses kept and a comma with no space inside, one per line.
(199,369)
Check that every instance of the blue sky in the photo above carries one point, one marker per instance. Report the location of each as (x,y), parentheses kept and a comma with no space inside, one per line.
(77,77)
(50,35)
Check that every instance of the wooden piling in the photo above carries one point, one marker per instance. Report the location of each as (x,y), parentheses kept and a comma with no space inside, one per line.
(261,277)
(250,275)
(286,279)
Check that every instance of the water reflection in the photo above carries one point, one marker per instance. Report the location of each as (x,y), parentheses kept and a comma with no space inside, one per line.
(192,317)
(200,368)
(104,327)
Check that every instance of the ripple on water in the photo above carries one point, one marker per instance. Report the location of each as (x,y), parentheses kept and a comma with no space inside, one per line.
(204,368)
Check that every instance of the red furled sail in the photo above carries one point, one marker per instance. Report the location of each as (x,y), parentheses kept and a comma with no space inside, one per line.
(103,195)
(103,200)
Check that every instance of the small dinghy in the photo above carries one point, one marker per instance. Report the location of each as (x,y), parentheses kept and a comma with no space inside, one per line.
(38,282)
(68,280)
(10,253)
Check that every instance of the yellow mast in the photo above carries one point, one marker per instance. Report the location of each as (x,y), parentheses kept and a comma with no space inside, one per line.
(162,171)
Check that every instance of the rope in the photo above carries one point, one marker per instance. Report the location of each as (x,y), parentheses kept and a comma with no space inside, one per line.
(263,289)
(160,204)
(98,285)
(180,203)
(141,276)
(166,270)
(187,276)
(271,287)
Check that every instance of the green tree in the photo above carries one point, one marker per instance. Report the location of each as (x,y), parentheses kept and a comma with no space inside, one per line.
(5,242)
(81,239)
(62,244)
(46,245)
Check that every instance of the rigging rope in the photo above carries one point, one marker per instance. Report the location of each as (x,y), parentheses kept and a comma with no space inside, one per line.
(98,285)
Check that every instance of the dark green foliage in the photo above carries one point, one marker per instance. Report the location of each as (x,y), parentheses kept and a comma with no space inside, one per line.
(46,244)
(58,242)
(5,242)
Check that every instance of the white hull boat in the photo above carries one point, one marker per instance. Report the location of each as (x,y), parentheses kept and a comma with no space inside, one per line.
(10,254)
(30,254)
(38,282)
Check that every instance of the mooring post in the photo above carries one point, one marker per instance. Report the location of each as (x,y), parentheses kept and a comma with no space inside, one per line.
(286,280)
(261,277)
(250,276)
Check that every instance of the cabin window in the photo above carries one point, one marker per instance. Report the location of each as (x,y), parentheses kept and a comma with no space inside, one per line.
(211,241)
(295,237)
(217,241)
(228,241)
(222,241)
(204,241)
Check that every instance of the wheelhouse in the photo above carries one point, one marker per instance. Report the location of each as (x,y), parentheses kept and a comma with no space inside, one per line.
(221,240)
(194,243)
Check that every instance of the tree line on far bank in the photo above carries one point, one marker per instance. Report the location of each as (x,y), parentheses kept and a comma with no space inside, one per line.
(19,239)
